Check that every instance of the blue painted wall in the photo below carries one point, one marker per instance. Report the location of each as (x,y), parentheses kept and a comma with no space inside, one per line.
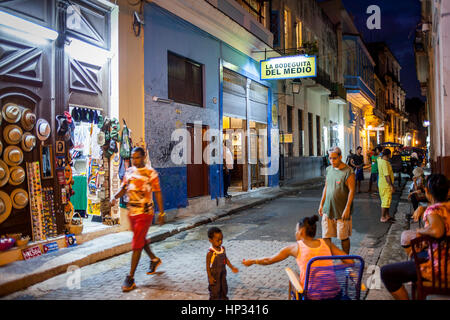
(166,32)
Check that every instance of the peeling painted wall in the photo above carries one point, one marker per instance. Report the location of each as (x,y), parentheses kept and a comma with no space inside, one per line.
(165,32)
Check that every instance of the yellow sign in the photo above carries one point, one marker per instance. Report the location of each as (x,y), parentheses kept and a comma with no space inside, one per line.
(288,67)
(286,138)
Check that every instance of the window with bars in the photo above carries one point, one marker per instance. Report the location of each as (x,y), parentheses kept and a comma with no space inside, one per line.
(300,132)
(185,80)
(287,29)
(298,32)
(289,129)
(310,134)
(318,136)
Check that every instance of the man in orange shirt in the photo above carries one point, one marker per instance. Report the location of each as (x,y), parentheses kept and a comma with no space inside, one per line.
(138,184)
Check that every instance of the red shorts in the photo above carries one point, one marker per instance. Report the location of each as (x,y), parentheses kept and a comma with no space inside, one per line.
(140,225)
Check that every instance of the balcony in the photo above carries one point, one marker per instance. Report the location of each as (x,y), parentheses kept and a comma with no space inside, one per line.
(393,76)
(422,65)
(358,93)
(391,107)
(248,16)
(338,93)
(378,113)
(323,78)
(323,83)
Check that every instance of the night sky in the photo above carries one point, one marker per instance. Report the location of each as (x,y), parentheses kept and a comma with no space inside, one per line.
(398,23)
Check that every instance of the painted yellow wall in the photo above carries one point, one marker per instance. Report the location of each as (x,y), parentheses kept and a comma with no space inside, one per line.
(131,72)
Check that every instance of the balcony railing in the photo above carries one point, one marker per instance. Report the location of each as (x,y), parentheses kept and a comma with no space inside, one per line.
(356,83)
(391,106)
(255,9)
(338,90)
(324,79)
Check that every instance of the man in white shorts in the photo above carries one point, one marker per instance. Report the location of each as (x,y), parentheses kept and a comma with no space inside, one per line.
(336,205)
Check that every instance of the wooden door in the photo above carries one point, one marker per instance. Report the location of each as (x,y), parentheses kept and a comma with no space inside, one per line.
(197,174)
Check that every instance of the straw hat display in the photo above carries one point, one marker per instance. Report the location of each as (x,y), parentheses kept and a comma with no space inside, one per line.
(28,119)
(12,134)
(13,156)
(11,112)
(4,173)
(5,206)
(28,142)
(16,175)
(19,198)
(43,129)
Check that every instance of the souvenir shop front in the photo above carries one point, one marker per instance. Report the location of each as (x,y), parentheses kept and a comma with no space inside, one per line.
(95,164)
(49,66)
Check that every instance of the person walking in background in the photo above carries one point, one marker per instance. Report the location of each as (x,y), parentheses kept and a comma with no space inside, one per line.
(139,183)
(358,164)
(336,205)
(216,262)
(385,185)
(374,168)
(227,167)
(349,159)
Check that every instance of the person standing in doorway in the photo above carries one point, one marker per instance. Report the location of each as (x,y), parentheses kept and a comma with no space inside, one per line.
(358,164)
(385,185)
(139,183)
(227,167)
(336,205)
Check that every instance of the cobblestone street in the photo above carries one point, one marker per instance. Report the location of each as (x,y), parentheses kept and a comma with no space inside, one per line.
(257,232)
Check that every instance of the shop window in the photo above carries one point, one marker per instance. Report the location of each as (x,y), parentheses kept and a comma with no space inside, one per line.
(185,80)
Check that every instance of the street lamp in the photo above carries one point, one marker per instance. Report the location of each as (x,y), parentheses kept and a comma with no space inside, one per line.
(296,85)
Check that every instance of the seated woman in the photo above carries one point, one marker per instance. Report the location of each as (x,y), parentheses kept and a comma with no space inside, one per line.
(417,192)
(303,250)
(437,224)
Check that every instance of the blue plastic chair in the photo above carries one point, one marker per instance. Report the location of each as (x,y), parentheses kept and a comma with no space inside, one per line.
(341,281)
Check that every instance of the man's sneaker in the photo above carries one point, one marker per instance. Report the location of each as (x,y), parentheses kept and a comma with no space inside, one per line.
(128,284)
(153,266)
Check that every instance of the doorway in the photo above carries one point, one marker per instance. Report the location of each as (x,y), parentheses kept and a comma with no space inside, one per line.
(197,169)
(234,136)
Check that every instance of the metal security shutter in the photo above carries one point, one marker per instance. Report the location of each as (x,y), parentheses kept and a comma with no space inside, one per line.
(259,99)
(234,94)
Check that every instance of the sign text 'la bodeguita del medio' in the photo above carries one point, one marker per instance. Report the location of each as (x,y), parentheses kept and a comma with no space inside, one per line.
(288,67)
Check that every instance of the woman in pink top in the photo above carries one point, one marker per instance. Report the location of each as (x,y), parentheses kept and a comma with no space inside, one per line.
(306,248)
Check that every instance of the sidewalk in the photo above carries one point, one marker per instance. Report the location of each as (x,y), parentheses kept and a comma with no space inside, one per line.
(22,274)
(392,251)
